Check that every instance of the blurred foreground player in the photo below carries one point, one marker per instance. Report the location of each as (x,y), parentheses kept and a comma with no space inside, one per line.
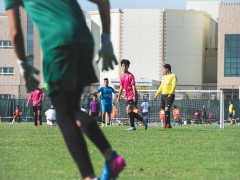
(67,47)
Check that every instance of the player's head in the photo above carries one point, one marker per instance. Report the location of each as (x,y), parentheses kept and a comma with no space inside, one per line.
(113,104)
(145,100)
(174,106)
(125,65)
(17,107)
(52,107)
(166,68)
(82,106)
(105,81)
(95,97)
(230,102)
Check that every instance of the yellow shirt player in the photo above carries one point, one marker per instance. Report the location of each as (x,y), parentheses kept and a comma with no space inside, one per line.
(231,112)
(167,87)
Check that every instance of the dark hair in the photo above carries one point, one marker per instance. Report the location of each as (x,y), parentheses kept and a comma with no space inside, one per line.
(105,79)
(167,66)
(17,106)
(125,61)
(174,106)
(95,95)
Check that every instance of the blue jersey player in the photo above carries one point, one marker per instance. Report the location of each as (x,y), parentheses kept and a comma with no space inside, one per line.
(106,101)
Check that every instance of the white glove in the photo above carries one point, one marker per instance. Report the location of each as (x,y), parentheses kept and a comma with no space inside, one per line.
(106,53)
(27,72)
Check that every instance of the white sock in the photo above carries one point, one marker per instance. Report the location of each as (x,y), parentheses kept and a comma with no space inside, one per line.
(13,121)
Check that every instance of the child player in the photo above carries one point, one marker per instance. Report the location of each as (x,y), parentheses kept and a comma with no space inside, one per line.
(67,47)
(127,81)
(167,87)
(17,114)
(162,116)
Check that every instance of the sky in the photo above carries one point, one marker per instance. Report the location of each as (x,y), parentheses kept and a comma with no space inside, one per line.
(135,4)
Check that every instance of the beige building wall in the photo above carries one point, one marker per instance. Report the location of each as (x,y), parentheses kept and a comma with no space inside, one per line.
(116,34)
(8,84)
(14,85)
(211,7)
(229,14)
(151,37)
(188,34)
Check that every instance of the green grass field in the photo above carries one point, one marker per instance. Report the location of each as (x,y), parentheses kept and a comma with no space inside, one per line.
(187,152)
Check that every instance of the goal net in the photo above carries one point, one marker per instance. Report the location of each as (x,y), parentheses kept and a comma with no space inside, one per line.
(188,101)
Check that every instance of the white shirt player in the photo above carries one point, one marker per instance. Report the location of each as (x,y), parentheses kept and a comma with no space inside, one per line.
(84,110)
(51,114)
(145,107)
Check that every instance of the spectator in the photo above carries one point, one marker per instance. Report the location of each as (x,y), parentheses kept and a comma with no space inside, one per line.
(177,115)
(234,116)
(204,114)
(51,116)
(210,117)
(17,114)
(162,116)
(145,110)
(230,111)
(197,116)
(94,108)
(114,112)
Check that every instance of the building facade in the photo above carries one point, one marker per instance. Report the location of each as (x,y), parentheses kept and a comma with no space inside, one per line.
(149,38)
(228,72)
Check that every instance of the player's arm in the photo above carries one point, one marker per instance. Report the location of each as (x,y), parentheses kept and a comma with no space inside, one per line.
(106,51)
(94,93)
(104,7)
(26,70)
(16,32)
(120,93)
(174,84)
(40,98)
(134,92)
(158,92)
(29,99)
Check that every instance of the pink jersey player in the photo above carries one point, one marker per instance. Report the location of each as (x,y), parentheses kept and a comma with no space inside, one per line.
(127,80)
(36,96)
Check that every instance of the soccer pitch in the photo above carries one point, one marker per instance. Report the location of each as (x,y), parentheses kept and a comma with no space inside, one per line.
(185,152)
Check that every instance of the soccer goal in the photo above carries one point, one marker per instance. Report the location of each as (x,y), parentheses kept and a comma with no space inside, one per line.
(188,101)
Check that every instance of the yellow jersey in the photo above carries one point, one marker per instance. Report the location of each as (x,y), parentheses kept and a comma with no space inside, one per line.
(168,84)
(230,109)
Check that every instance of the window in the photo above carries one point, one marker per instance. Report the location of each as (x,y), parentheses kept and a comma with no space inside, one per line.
(6,71)
(232,55)
(5,44)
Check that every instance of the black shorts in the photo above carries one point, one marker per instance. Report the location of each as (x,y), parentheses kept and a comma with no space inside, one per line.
(230,115)
(36,108)
(94,114)
(132,102)
(167,101)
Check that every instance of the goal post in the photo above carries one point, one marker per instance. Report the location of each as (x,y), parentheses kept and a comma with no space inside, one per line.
(188,101)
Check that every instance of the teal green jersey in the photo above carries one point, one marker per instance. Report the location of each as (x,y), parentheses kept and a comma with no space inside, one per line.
(60,22)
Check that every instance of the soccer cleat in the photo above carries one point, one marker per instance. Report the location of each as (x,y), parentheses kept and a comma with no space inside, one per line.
(113,167)
(131,129)
(169,126)
(165,125)
(102,125)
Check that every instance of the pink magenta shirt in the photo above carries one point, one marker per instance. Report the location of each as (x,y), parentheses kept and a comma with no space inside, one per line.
(127,80)
(36,96)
